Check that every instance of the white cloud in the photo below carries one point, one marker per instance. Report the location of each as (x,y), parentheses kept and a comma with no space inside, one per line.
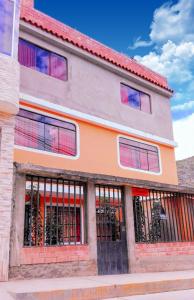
(173,61)
(183,107)
(173,22)
(140,43)
(170,22)
(183,133)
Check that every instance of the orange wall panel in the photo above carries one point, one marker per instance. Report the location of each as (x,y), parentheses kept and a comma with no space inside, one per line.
(98,154)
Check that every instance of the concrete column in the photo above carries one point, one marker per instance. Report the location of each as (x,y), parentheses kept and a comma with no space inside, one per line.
(6,182)
(17,229)
(9,104)
(91,218)
(130,232)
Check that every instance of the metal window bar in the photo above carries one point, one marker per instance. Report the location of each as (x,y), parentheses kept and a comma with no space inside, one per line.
(163,216)
(109,216)
(54,212)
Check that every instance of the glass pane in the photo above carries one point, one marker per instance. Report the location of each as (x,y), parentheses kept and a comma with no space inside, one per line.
(27,54)
(145,103)
(59,123)
(138,144)
(29,133)
(51,138)
(134,98)
(58,67)
(124,94)
(143,160)
(67,142)
(6,26)
(153,161)
(42,61)
(128,156)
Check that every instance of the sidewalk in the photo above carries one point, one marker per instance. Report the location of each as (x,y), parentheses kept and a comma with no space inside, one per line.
(180,295)
(98,287)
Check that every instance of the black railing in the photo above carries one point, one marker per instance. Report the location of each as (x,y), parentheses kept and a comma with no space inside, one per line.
(163,217)
(54,212)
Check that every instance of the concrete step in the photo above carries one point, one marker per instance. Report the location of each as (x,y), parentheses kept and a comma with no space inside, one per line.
(98,287)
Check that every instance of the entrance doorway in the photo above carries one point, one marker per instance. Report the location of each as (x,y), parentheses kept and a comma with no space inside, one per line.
(111,230)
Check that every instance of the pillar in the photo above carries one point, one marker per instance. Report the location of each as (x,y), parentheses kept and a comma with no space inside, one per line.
(130,232)
(9,103)
(91,219)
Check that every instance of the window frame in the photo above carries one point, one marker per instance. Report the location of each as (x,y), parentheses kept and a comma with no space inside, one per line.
(135,169)
(50,52)
(45,152)
(135,89)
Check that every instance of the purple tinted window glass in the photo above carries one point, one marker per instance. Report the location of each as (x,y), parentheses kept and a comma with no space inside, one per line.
(6,26)
(27,54)
(58,66)
(45,133)
(42,61)
(138,155)
(135,98)
(145,102)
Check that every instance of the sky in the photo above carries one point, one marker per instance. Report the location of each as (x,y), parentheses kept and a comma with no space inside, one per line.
(158,34)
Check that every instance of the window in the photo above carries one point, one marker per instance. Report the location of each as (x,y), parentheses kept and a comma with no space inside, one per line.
(54,212)
(6,26)
(138,155)
(42,60)
(135,98)
(45,133)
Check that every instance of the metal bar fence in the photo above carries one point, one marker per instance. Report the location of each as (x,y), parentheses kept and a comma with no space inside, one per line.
(54,212)
(163,217)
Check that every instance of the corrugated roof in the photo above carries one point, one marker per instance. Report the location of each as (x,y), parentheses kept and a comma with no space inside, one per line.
(60,30)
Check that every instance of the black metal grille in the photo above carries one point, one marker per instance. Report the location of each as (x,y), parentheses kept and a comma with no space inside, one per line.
(111,232)
(54,212)
(164,217)
(109,212)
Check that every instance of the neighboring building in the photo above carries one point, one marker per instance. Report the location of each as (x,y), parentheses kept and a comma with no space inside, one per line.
(93,156)
(185,171)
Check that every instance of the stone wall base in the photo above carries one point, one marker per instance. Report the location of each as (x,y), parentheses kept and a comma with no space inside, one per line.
(54,270)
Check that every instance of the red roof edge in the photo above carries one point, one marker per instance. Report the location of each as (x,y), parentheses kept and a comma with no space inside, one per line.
(68,34)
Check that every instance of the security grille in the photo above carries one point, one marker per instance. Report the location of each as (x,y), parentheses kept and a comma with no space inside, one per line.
(54,212)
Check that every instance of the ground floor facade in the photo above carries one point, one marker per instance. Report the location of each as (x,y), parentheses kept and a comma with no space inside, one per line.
(77,224)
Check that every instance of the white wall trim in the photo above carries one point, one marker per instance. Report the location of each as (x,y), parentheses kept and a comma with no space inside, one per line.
(134,169)
(96,120)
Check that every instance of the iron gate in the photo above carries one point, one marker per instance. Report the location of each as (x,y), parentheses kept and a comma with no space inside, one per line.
(111,231)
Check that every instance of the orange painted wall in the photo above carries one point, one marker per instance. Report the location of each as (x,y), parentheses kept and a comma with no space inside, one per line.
(98,154)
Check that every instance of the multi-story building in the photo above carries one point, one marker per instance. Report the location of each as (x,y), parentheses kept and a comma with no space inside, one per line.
(86,153)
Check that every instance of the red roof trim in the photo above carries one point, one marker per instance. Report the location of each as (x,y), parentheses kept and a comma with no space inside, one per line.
(86,43)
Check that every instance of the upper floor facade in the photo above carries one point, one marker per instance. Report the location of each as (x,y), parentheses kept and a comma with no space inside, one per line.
(85,107)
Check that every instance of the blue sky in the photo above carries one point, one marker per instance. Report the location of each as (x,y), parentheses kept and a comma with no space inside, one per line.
(157,33)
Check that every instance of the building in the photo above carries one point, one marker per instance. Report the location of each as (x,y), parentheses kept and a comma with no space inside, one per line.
(88,180)
(185,171)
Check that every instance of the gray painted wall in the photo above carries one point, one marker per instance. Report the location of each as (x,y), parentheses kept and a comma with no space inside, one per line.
(95,90)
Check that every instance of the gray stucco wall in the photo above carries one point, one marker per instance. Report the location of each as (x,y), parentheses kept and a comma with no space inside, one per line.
(95,90)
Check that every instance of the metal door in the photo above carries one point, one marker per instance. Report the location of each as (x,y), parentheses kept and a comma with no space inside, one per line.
(111,231)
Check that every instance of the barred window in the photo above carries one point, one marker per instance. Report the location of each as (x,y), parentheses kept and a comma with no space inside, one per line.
(138,155)
(45,133)
(54,212)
